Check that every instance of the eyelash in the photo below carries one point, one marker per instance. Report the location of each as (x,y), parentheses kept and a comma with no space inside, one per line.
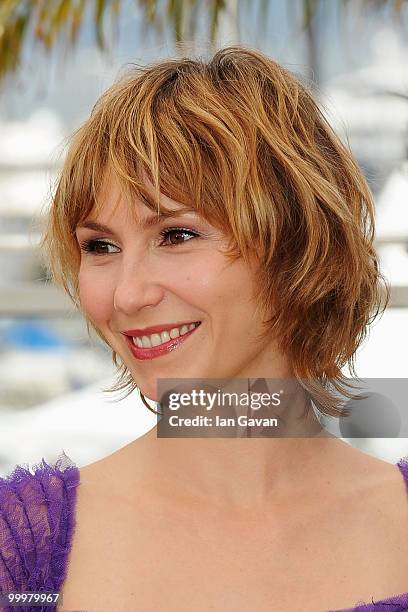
(90,245)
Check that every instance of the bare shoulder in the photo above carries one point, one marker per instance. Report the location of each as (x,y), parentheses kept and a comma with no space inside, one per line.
(374,491)
(364,506)
(124,463)
(104,482)
(104,514)
(367,473)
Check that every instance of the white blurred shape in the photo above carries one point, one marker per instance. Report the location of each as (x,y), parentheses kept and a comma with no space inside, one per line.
(86,424)
(392,204)
(31,142)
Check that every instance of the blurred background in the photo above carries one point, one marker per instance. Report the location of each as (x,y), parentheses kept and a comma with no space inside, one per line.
(56,58)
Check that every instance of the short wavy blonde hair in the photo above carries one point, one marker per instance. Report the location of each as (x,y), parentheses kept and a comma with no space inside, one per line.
(242,141)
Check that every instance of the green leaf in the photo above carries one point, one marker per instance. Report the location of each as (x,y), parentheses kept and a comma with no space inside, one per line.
(7,10)
(217,6)
(76,20)
(100,9)
(11,44)
(175,14)
(309,9)
(150,10)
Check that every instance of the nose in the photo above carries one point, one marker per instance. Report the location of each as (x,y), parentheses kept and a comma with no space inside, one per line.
(138,286)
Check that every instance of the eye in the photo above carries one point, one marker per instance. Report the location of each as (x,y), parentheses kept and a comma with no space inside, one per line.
(177,232)
(101,247)
(91,246)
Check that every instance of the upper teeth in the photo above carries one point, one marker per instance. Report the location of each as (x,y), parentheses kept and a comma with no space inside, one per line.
(165,336)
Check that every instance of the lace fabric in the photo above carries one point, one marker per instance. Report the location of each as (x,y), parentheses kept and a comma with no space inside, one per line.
(397,603)
(37,520)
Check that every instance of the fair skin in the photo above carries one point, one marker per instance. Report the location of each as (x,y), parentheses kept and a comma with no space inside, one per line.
(302,523)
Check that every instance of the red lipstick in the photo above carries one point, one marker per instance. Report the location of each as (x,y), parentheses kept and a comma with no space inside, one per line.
(162,349)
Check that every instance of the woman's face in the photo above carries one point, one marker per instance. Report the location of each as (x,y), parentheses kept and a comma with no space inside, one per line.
(140,276)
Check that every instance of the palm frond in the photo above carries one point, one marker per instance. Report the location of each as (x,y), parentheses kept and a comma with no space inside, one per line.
(14,21)
(217,6)
(175,15)
(100,8)
(76,20)
(48,22)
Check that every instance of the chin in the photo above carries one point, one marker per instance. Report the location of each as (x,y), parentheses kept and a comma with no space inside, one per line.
(150,397)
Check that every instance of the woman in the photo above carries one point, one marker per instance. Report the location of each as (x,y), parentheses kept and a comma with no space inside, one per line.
(211,200)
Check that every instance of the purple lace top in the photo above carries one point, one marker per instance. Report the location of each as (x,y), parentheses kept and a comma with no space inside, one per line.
(37,522)
(36,526)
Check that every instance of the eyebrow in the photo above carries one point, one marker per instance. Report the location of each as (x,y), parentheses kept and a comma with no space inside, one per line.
(149,222)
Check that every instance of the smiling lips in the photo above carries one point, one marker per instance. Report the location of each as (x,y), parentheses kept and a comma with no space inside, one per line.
(150,345)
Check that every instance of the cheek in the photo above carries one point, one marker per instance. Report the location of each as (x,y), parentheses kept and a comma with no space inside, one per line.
(215,282)
(204,282)
(96,296)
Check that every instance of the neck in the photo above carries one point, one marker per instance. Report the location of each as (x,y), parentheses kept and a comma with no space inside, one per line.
(240,472)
